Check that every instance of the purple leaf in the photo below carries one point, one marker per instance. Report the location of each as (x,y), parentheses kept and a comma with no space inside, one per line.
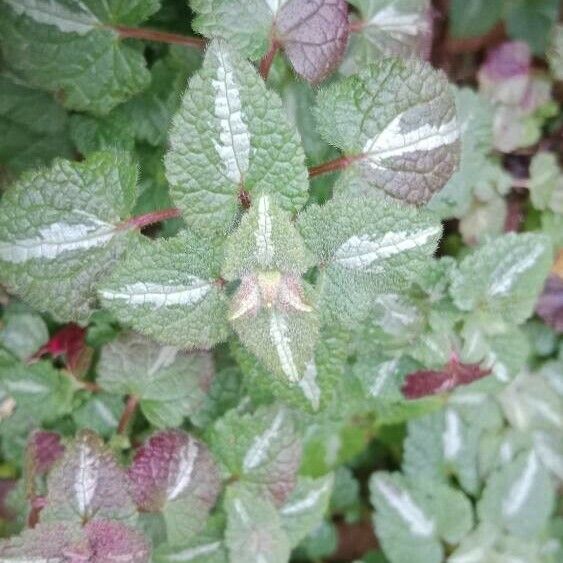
(43,450)
(113,541)
(97,542)
(314,35)
(88,483)
(510,59)
(175,474)
(433,382)
(550,303)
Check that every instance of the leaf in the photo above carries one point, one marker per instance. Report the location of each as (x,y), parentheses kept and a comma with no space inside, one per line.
(88,483)
(65,47)
(400,28)
(170,384)
(68,342)
(503,277)
(304,509)
(410,521)
(430,382)
(480,18)
(100,412)
(60,232)
(98,542)
(519,497)
(175,474)
(231,134)
(313,35)
(262,449)
(396,123)
(22,333)
(254,529)
(366,246)
(34,128)
(555,52)
(546,184)
(169,290)
(550,303)
(44,448)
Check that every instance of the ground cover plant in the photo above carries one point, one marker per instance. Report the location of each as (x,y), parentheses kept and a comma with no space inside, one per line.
(281,280)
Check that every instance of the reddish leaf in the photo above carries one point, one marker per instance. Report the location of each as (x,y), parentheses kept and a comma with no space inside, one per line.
(70,343)
(550,303)
(43,450)
(6,485)
(112,541)
(314,35)
(510,59)
(431,382)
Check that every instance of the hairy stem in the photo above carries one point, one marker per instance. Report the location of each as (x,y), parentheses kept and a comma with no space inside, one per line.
(332,165)
(266,62)
(151,218)
(128,413)
(160,36)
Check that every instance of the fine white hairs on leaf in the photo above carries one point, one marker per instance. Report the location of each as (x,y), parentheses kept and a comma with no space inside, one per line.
(361,252)
(418,523)
(263,235)
(58,238)
(258,451)
(520,490)
(181,478)
(282,343)
(158,295)
(393,142)
(234,138)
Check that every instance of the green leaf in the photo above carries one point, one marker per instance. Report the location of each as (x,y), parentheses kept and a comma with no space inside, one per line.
(503,277)
(61,232)
(231,134)
(168,290)
(411,518)
(304,509)
(365,247)
(65,47)
(88,483)
(262,449)
(397,27)
(100,412)
(170,384)
(546,182)
(22,333)
(33,127)
(529,20)
(254,529)
(519,496)
(396,122)
(555,52)
(474,19)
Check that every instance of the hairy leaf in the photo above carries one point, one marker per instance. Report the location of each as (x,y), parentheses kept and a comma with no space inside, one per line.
(396,122)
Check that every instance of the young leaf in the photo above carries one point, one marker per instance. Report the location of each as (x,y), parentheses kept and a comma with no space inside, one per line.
(303,511)
(550,303)
(88,483)
(313,35)
(169,290)
(503,278)
(231,134)
(71,48)
(170,384)
(519,496)
(396,123)
(100,412)
(174,474)
(254,529)
(397,27)
(43,450)
(366,246)
(60,232)
(262,449)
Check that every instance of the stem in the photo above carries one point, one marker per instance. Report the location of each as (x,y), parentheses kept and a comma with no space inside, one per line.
(127,414)
(141,221)
(332,165)
(160,36)
(266,62)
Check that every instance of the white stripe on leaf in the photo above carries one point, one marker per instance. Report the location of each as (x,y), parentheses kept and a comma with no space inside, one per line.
(309,385)
(58,238)
(86,478)
(258,451)
(361,252)
(233,147)
(282,343)
(182,476)
(158,295)
(396,23)
(263,236)
(520,491)
(193,552)
(307,502)
(451,437)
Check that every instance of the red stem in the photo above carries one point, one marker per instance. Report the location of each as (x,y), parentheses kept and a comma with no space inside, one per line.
(266,62)
(127,414)
(161,36)
(332,165)
(141,221)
